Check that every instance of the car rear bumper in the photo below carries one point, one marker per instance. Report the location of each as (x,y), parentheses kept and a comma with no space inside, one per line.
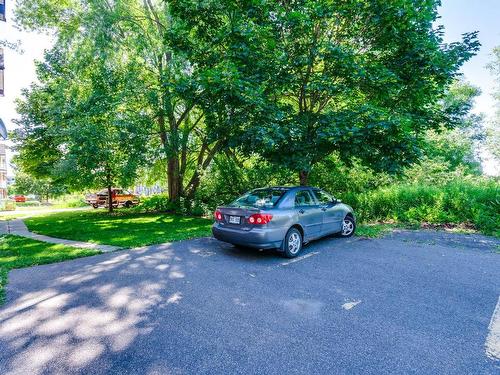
(258,238)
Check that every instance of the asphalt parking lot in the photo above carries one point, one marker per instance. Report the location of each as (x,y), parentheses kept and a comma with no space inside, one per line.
(412,302)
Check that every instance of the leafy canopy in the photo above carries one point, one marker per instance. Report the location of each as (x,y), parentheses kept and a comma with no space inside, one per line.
(363,78)
(81,124)
(292,81)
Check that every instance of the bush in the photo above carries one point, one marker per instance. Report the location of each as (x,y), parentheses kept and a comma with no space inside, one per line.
(156,203)
(337,178)
(477,203)
(74,203)
(7,205)
(160,203)
(451,198)
(70,201)
(228,178)
(29,204)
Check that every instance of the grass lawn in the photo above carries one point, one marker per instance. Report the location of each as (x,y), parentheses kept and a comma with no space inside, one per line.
(20,252)
(374,230)
(131,229)
(122,228)
(377,230)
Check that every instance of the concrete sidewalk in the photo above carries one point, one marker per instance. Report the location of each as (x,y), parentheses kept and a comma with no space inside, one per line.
(4,227)
(18,228)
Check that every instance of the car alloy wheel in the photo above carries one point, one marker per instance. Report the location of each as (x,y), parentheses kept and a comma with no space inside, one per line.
(292,243)
(348,227)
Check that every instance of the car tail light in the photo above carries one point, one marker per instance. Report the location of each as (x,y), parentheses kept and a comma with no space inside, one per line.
(260,219)
(218,215)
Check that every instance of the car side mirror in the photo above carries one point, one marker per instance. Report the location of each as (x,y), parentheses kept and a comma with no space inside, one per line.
(336,201)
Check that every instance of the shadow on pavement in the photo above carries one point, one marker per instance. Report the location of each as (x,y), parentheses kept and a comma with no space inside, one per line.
(89,311)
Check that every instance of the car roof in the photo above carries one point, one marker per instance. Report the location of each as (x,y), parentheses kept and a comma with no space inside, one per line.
(288,187)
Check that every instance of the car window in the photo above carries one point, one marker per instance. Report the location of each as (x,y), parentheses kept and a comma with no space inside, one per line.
(304,198)
(259,198)
(323,197)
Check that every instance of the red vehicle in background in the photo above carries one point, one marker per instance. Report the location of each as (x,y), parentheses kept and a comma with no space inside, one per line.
(19,198)
(120,198)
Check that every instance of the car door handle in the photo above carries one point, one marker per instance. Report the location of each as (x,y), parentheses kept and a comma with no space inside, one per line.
(301,211)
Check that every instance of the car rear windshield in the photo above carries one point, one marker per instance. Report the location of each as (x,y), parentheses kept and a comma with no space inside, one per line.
(259,198)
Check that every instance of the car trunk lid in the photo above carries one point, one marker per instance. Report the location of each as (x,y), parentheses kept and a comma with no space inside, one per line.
(236,217)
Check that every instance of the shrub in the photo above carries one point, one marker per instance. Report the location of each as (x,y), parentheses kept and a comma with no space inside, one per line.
(160,203)
(336,177)
(29,204)
(457,202)
(73,203)
(7,205)
(228,178)
(70,201)
(156,203)
(472,200)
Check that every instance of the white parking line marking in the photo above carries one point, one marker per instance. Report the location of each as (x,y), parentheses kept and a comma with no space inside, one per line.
(350,305)
(300,258)
(492,344)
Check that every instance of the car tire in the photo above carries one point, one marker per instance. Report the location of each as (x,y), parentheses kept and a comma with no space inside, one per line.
(128,204)
(348,227)
(292,243)
(95,205)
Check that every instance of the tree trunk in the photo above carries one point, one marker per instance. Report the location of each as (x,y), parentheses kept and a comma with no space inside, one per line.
(173,168)
(202,164)
(110,199)
(174,188)
(303,177)
(193,185)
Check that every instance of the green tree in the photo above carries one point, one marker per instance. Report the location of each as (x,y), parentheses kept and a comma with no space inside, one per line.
(493,134)
(361,78)
(457,141)
(80,125)
(43,188)
(189,86)
(291,81)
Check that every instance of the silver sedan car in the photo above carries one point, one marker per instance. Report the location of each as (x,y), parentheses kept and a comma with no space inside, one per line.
(283,218)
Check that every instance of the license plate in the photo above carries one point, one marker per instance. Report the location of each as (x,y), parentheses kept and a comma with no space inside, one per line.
(234,219)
